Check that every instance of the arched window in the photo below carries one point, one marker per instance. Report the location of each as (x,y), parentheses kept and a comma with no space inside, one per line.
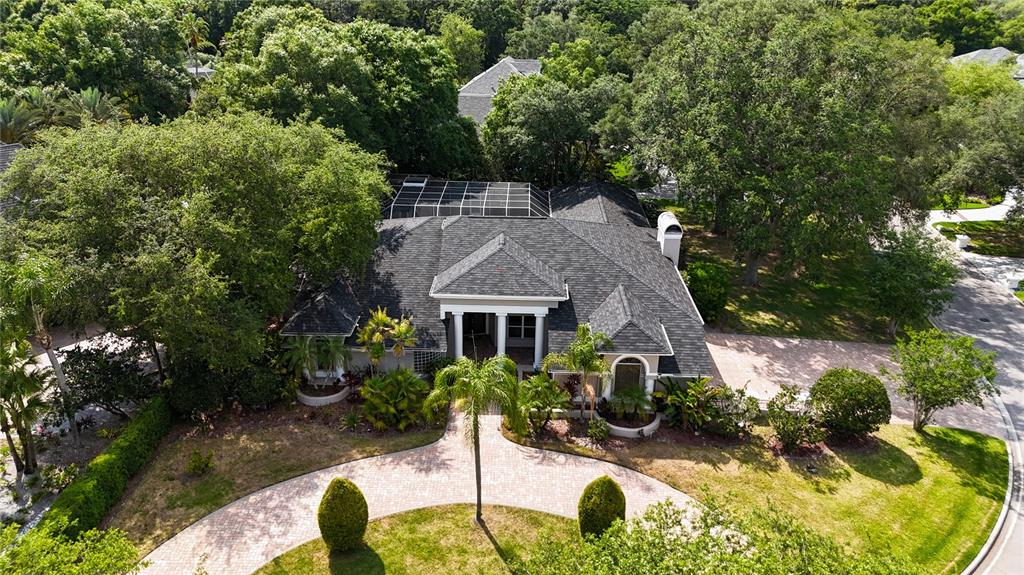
(629,373)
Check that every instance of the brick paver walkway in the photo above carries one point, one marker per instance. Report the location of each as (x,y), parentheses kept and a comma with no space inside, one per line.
(246,534)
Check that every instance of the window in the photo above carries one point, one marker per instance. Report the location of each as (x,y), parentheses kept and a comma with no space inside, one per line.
(522,326)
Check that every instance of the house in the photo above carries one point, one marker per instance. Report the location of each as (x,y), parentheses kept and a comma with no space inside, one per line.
(993,56)
(489,268)
(475,97)
(7,153)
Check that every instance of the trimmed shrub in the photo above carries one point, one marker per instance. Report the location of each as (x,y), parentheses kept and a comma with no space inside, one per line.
(709,285)
(733,413)
(88,499)
(792,422)
(342,515)
(600,505)
(199,463)
(598,430)
(850,403)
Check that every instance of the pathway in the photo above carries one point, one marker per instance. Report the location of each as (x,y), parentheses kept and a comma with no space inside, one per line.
(996,212)
(248,533)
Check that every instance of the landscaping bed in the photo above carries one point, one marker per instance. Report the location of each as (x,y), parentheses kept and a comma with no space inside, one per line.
(933,497)
(990,238)
(433,540)
(249,452)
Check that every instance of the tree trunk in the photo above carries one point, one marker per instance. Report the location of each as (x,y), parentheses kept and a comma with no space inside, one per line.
(5,425)
(891,327)
(721,203)
(65,394)
(28,454)
(750,271)
(159,363)
(476,457)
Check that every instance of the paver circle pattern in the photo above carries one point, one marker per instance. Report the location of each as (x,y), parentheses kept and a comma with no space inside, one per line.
(246,534)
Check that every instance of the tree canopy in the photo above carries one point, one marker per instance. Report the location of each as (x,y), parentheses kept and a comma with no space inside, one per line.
(198,233)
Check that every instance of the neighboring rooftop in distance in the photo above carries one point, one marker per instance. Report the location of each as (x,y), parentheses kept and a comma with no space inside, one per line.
(475,97)
(993,56)
(423,196)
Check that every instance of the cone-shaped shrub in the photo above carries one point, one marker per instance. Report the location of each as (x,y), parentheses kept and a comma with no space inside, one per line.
(600,505)
(342,515)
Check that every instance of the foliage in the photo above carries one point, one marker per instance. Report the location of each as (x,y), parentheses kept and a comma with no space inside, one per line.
(57,478)
(84,504)
(193,233)
(22,382)
(542,130)
(394,400)
(792,421)
(939,370)
(48,549)
(261,388)
(465,43)
(540,396)
(733,413)
(667,539)
(473,388)
(598,430)
(601,504)
(689,404)
(430,370)
(910,277)
(379,84)
(131,50)
(966,24)
(709,285)
(583,356)
(110,380)
(763,109)
(342,515)
(380,330)
(199,463)
(849,402)
(631,402)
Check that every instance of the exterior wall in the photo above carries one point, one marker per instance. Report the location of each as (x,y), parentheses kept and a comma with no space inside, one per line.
(360,360)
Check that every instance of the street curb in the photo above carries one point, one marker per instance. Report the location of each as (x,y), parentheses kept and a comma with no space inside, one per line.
(1011,442)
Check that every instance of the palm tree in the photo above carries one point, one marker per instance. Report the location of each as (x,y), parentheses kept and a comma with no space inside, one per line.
(92,105)
(36,283)
(332,352)
(18,121)
(21,386)
(474,388)
(402,335)
(298,355)
(195,30)
(374,334)
(582,357)
(45,102)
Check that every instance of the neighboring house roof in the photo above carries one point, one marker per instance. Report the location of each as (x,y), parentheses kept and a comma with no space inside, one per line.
(7,153)
(475,96)
(630,324)
(202,72)
(615,273)
(597,202)
(993,56)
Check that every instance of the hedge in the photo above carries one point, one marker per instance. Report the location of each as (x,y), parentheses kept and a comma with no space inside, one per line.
(600,505)
(89,497)
(342,515)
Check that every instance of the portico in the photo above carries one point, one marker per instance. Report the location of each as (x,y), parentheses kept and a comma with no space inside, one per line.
(511,329)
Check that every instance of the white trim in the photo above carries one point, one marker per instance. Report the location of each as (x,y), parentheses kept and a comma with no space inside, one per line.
(492,309)
(443,296)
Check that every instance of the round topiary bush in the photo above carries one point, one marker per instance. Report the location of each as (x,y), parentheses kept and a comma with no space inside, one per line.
(600,505)
(342,515)
(850,403)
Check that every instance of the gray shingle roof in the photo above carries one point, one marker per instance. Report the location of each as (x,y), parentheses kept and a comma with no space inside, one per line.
(598,202)
(500,267)
(475,96)
(632,327)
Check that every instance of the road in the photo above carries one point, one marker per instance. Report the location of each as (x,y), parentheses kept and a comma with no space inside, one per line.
(985,310)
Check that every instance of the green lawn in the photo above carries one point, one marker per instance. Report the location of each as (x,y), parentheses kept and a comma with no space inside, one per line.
(990,237)
(970,203)
(433,540)
(832,304)
(933,498)
(250,451)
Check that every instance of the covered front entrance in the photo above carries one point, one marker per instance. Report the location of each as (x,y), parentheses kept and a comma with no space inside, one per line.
(480,335)
(629,374)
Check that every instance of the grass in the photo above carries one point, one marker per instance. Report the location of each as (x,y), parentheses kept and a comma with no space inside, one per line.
(250,452)
(831,304)
(931,497)
(969,203)
(989,237)
(433,540)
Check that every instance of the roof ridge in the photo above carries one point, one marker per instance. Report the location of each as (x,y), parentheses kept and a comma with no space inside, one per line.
(564,224)
(491,246)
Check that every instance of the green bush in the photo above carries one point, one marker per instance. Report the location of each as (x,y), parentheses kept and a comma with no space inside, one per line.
(732,413)
(792,422)
(598,430)
(192,389)
(89,497)
(850,403)
(261,389)
(342,515)
(394,400)
(709,285)
(199,463)
(600,505)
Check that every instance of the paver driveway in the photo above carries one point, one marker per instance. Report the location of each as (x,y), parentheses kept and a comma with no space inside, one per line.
(246,534)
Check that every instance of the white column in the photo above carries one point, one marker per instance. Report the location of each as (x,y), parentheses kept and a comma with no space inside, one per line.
(457,320)
(502,330)
(649,383)
(538,341)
